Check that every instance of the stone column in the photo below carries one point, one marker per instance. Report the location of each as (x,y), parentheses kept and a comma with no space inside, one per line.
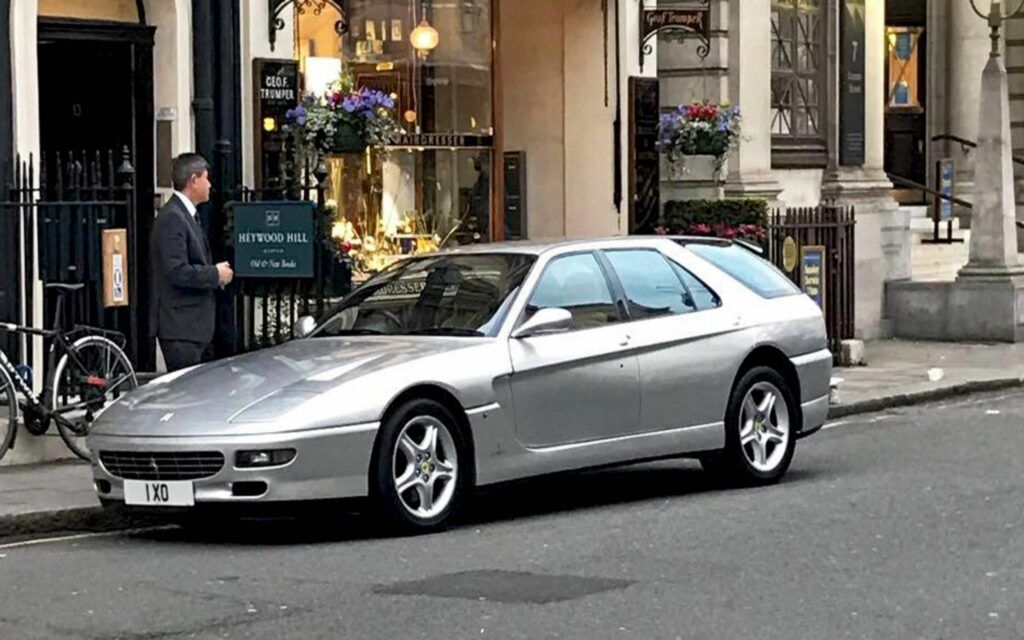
(882,232)
(968,50)
(750,88)
(993,229)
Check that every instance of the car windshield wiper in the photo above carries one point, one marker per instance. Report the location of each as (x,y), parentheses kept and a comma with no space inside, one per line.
(444,331)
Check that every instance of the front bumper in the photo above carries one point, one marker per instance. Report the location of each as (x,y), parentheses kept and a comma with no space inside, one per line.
(329,464)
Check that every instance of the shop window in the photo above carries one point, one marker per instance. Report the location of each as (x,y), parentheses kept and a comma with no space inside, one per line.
(799,125)
(410,201)
(447,91)
(431,190)
(904,68)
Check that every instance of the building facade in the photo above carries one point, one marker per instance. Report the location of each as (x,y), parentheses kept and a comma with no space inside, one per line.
(843,98)
(781,61)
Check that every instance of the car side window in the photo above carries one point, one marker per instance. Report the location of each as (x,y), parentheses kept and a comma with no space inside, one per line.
(651,287)
(656,286)
(703,297)
(577,284)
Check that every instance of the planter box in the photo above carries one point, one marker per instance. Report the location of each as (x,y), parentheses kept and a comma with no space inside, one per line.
(348,140)
(690,178)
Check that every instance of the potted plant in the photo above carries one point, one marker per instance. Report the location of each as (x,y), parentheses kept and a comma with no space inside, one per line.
(695,139)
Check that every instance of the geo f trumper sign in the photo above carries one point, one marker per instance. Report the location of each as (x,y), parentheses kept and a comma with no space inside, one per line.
(274,239)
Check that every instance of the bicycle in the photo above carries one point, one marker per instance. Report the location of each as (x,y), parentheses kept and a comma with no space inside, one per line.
(90,371)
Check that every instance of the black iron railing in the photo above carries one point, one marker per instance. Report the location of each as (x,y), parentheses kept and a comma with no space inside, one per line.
(792,230)
(68,199)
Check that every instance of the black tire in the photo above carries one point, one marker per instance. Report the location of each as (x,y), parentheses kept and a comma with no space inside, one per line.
(394,508)
(102,358)
(733,465)
(8,412)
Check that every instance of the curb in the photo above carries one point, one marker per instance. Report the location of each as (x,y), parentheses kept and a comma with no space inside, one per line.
(98,519)
(67,521)
(923,397)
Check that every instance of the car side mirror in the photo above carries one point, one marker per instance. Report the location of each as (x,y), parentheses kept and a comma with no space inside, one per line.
(304,327)
(545,321)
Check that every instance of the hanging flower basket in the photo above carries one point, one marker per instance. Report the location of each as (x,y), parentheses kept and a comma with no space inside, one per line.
(697,138)
(343,120)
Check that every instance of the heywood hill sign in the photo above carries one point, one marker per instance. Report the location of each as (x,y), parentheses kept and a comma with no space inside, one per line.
(274,239)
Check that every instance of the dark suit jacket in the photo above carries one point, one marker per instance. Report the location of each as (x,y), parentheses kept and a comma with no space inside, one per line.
(184,277)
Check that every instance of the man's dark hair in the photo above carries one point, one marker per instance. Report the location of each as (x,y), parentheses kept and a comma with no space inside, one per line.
(185,166)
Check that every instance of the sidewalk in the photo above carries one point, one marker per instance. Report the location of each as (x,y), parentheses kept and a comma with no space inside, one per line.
(58,497)
(897,373)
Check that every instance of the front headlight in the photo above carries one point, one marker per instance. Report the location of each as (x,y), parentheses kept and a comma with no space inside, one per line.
(263,458)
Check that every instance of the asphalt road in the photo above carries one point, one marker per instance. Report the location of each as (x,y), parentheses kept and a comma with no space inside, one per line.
(900,525)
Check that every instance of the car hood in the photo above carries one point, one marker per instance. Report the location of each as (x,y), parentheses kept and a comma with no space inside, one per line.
(257,387)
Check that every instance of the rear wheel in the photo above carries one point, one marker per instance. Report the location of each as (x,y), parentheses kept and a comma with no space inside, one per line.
(8,412)
(761,423)
(93,375)
(419,474)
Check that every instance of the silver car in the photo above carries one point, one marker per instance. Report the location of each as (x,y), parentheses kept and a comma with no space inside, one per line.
(467,368)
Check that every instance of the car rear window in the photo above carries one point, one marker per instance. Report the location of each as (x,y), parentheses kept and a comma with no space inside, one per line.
(757,274)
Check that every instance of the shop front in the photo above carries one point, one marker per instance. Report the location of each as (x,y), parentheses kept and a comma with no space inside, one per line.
(506,114)
(426,183)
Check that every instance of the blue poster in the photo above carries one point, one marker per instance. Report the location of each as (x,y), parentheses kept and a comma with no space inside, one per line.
(946,174)
(812,273)
(901,95)
(904,45)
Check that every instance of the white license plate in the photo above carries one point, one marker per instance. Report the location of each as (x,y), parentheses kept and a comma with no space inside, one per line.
(158,493)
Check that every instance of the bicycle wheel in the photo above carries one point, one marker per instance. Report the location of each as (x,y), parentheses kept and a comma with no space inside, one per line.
(8,412)
(94,374)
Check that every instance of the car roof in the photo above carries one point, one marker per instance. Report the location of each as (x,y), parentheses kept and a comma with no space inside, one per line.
(540,246)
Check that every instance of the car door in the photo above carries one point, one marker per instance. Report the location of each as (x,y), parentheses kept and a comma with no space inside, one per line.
(683,337)
(583,384)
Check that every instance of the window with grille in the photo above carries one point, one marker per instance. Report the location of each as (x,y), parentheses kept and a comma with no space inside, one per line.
(799,104)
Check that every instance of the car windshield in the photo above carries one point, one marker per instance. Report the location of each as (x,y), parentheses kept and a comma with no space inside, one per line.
(453,295)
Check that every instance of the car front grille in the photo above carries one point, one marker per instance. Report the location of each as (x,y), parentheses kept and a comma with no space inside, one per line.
(164,465)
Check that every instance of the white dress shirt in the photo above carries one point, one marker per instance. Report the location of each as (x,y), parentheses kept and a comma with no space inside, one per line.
(191,208)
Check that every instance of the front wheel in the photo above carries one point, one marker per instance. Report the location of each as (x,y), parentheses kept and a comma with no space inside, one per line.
(761,422)
(90,377)
(419,474)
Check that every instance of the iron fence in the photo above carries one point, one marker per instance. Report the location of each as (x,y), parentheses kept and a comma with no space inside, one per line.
(54,213)
(791,231)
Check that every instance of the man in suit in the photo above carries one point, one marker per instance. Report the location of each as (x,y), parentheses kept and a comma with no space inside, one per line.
(185,280)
